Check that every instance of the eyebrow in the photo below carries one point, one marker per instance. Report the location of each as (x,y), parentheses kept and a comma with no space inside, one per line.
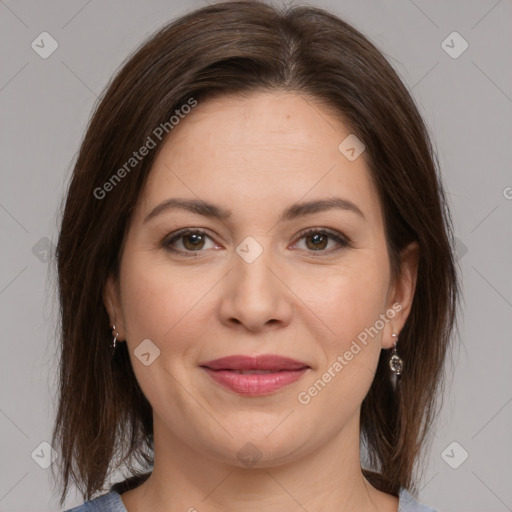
(216,212)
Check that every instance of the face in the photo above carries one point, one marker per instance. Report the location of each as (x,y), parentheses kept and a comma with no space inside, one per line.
(254,282)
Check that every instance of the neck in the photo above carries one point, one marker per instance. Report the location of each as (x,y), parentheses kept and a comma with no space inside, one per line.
(328,478)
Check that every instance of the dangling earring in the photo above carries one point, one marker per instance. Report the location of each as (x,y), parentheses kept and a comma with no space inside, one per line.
(395,361)
(113,344)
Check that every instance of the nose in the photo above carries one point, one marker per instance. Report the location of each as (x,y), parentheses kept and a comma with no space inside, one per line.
(255,296)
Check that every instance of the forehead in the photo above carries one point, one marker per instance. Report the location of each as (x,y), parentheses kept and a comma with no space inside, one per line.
(267,148)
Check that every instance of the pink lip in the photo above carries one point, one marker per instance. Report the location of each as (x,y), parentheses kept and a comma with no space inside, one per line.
(263,362)
(226,370)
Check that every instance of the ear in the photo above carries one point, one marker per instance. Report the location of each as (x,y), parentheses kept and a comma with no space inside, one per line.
(402,292)
(112,302)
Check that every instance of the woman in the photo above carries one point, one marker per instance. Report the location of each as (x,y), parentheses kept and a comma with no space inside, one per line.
(256,274)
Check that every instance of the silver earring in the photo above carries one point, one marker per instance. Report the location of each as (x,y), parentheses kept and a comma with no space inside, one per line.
(113,344)
(395,361)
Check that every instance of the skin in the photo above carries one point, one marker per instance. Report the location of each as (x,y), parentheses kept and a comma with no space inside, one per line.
(255,156)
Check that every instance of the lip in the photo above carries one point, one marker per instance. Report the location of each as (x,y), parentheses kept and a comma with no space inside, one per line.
(261,362)
(277,372)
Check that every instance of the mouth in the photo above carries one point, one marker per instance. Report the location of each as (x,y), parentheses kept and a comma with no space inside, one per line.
(260,375)
(249,372)
(260,363)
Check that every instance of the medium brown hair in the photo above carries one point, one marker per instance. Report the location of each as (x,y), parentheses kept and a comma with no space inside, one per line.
(103,421)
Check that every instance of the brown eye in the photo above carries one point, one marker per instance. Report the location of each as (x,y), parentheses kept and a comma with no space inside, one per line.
(188,241)
(193,241)
(317,240)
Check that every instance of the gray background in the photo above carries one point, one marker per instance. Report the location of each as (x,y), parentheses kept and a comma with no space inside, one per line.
(467,103)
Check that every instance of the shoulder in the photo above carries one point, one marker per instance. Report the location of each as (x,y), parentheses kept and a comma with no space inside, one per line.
(407,503)
(109,502)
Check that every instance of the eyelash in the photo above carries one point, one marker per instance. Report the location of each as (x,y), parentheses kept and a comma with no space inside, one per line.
(338,237)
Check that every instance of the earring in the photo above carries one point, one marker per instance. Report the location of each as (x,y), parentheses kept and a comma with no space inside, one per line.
(113,344)
(395,361)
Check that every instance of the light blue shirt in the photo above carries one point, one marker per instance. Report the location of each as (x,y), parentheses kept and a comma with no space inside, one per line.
(111,502)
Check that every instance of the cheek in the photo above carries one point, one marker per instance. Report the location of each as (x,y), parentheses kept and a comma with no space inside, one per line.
(146,306)
(344,299)
(159,304)
(163,303)
(152,297)
(349,303)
